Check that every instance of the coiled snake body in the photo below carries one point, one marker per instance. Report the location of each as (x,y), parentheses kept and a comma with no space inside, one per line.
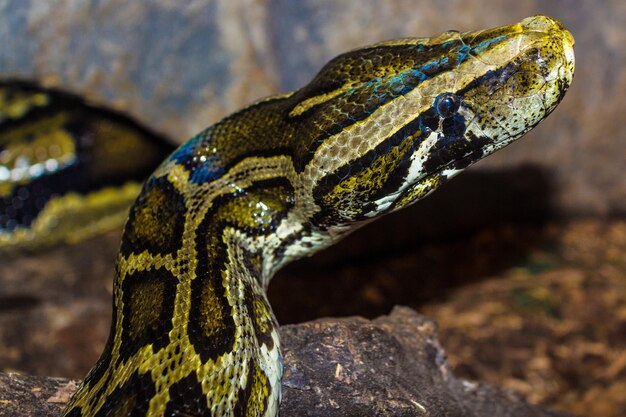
(377,129)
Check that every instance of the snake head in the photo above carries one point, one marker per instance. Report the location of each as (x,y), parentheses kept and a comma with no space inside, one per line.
(396,120)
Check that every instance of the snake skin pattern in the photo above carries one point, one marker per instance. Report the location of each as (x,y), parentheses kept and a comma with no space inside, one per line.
(376,130)
(68,169)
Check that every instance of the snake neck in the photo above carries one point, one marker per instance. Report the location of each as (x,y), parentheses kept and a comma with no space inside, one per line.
(190,309)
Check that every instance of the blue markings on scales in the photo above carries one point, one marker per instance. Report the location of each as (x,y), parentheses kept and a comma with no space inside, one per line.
(480,48)
(407,80)
(465,51)
(203,166)
(432,65)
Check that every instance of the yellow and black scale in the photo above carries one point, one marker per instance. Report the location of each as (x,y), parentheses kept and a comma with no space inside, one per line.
(68,168)
(377,129)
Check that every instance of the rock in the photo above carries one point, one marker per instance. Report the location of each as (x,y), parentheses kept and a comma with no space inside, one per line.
(391,366)
(27,396)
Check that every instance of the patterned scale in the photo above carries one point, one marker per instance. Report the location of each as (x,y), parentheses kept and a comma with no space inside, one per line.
(68,169)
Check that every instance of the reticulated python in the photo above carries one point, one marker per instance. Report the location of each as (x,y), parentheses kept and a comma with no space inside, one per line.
(377,129)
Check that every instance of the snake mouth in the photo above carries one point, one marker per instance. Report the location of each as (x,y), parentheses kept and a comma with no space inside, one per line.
(429,182)
(455,167)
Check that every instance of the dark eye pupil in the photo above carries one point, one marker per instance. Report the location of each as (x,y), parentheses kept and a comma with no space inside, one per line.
(447,104)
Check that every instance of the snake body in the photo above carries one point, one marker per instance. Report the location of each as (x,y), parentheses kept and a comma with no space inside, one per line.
(68,168)
(377,129)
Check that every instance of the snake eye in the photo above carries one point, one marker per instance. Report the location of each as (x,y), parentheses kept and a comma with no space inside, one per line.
(447,104)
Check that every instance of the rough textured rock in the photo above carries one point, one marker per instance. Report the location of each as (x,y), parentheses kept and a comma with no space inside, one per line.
(179,67)
(33,396)
(392,366)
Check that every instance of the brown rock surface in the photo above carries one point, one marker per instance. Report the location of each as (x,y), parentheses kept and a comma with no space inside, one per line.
(391,366)
(33,396)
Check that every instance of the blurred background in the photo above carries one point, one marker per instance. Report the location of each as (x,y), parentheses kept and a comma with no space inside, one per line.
(521,259)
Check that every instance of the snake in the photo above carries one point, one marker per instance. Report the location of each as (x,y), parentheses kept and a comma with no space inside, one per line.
(69,168)
(377,129)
